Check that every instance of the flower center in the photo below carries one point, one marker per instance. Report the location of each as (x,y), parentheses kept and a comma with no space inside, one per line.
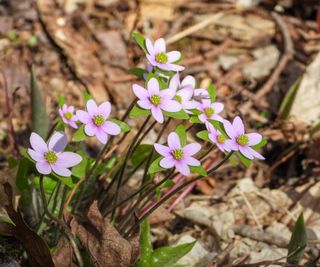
(98,120)
(162,58)
(178,98)
(68,115)
(243,139)
(221,138)
(155,100)
(51,157)
(209,112)
(177,154)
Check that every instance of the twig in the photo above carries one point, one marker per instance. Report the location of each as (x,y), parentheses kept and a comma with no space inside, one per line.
(287,56)
(195,28)
(251,209)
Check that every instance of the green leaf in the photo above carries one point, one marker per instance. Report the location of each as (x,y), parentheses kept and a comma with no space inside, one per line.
(155,166)
(181,132)
(61,101)
(145,245)
(79,135)
(22,180)
(123,126)
(138,72)
(68,181)
(218,125)
(203,135)
(141,41)
(48,184)
(297,242)
(81,169)
(196,112)
(212,92)
(199,170)
(168,256)
(245,161)
(5,218)
(260,145)
(138,112)
(232,160)
(141,153)
(12,162)
(182,115)
(195,119)
(288,100)
(60,125)
(40,122)
(87,96)
(106,166)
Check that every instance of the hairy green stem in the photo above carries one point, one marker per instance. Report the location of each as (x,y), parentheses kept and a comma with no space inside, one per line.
(125,164)
(60,223)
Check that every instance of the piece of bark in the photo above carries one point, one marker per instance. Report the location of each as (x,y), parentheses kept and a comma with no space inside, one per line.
(63,254)
(78,51)
(102,241)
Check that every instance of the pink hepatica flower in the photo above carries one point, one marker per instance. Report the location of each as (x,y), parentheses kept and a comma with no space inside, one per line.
(155,99)
(210,111)
(184,91)
(66,113)
(95,120)
(51,157)
(216,137)
(240,141)
(177,156)
(158,57)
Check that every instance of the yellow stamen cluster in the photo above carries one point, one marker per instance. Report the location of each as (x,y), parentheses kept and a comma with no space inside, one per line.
(51,157)
(162,58)
(98,120)
(243,139)
(177,154)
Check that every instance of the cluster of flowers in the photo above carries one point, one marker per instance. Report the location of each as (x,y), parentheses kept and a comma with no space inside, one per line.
(179,95)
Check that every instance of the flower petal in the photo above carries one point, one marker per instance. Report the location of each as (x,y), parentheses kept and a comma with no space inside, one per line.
(104,109)
(218,107)
(152,60)
(145,104)
(256,154)
(246,151)
(188,81)
(170,105)
(149,46)
(228,127)
(111,128)
(90,129)
(162,150)
(166,163)
(102,136)
(189,104)
(43,167)
(174,82)
(153,87)
(201,92)
(174,141)
(38,144)
(83,116)
(191,149)
(167,93)
(58,141)
(73,124)
(182,167)
(232,145)
(68,159)
(192,161)
(140,92)
(60,170)
(254,138)
(157,114)
(159,46)
(92,107)
(185,94)
(238,125)
(36,156)
(70,109)
(173,56)
(203,117)
(171,67)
